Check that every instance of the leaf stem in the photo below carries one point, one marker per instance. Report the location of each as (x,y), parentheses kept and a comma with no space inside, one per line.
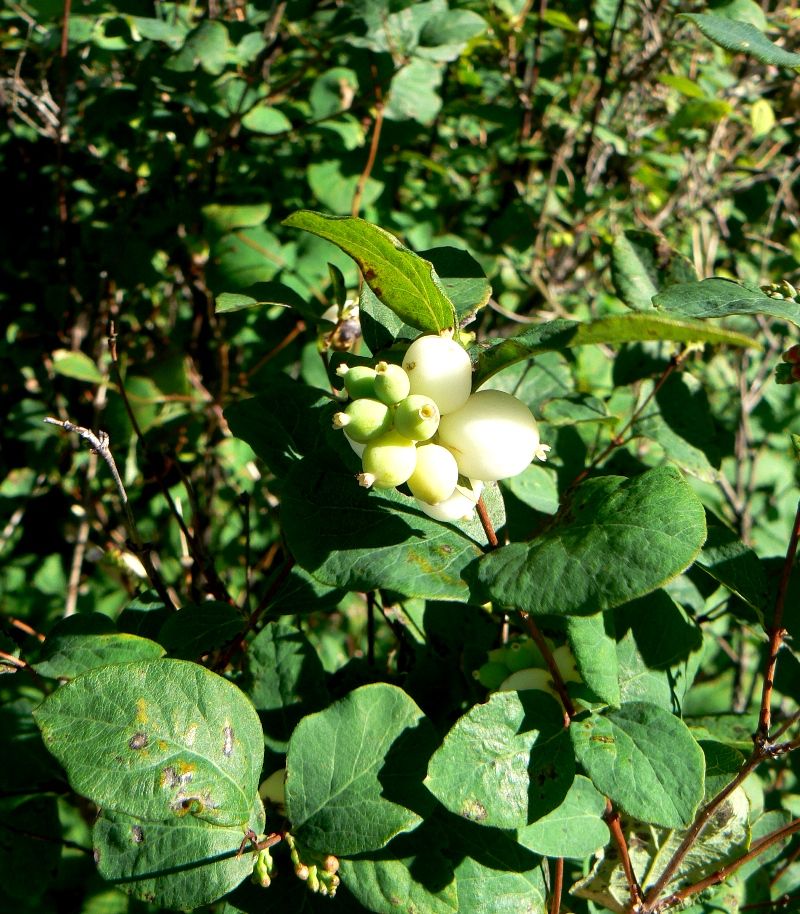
(486,523)
(558,886)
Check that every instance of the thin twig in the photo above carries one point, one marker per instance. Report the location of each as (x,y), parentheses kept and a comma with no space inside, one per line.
(558,886)
(486,523)
(723,872)
(552,666)
(777,632)
(377,127)
(615,827)
(100,444)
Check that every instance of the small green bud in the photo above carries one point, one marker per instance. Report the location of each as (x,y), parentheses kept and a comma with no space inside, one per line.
(436,474)
(364,420)
(391,383)
(388,461)
(417,417)
(359,380)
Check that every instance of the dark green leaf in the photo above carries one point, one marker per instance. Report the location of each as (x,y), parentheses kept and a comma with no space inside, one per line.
(642,264)
(575,829)
(621,539)
(721,298)
(400,278)
(726,559)
(505,763)
(284,679)
(198,628)
(645,760)
(595,655)
(86,641)
(742,38)
(365,540)
(494,355)
(354,771)
(76,365)
(157,739)
(735,730)
(28,864)
(267,120)
(223,218)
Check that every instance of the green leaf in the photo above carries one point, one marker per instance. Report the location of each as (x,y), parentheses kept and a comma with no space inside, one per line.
(354,771)
(180,864)
(87,641)
(505,763)
(198,628)
(363,540)
(333,92)
(76,365)
(742,38)
(621,539)
(157,739)
(645,761)
(284,679)
(575,829)
(462,278)
(724,838)
(734,730)
(335,187)
(224,218)
(453,27)
(729,561)
(595,655)
(537,487)
(575,408)
(659,651)
(267,120)
(641,264)
(401,279)
(718,297)
(207,47)
(495,355)
(412,93)
(410,874)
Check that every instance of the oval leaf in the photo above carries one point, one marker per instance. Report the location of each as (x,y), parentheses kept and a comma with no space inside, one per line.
(644,760)
(743,38)
(401,279)
(504,763)
(621,539)
(354,771)
(718,297)
(158,739)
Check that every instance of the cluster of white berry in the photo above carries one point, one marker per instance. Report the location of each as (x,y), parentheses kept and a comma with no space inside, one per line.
(420,424)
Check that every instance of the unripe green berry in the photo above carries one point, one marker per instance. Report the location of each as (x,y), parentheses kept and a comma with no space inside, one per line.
(491,675)
(440,369)
(459,506)
(493,436)
(364,420)
(435,476)
(523,680)
(388,461)
(359,380)
(391,383)
(417,417)
(521,655)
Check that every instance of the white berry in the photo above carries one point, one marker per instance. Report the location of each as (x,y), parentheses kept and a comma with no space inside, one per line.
(435,476)
(459,506)
(440,369)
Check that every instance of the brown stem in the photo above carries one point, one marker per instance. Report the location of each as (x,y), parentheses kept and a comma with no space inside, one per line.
(558,886)
(777,632)
(723,872)
(486,523)
(552,666)
(615,827)
(373,150)
(696,829)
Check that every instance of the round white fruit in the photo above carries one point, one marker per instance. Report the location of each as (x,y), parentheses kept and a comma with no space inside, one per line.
(435,476)
(493,436)
(531,678)
(440,369)
(459,506)
(565,661)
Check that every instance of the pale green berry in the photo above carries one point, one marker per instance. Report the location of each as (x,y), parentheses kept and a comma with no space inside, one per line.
(459,506)
(523,680)
(565,661)
(435,476)
(359,380)
(273,789)
(364,420)
(493,436)
(391,383)
(388,461)
(417,417)
(440,369)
